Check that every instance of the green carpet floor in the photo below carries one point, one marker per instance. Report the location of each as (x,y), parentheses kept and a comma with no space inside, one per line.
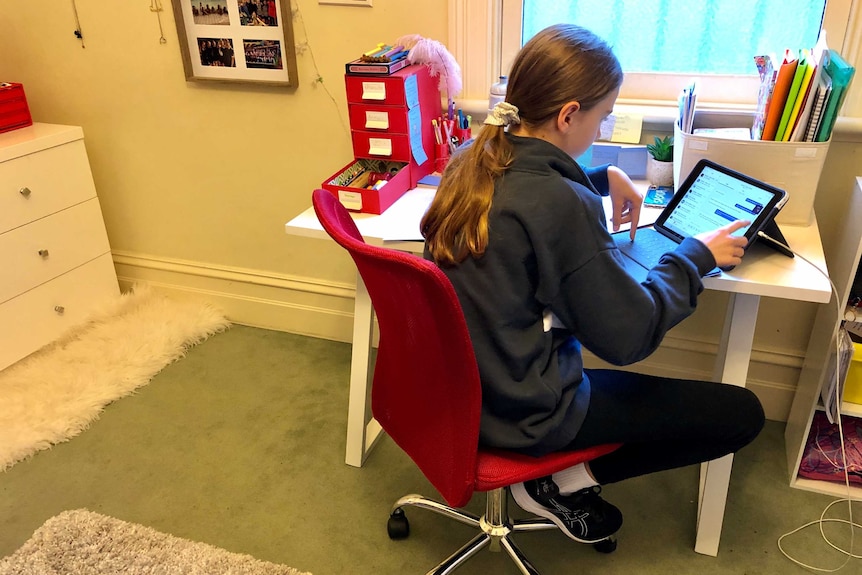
(241,445)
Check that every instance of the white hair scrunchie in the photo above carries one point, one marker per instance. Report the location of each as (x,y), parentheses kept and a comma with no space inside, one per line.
(503,114)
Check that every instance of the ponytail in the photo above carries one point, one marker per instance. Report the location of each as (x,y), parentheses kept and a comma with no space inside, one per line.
(456,224)
(560,64)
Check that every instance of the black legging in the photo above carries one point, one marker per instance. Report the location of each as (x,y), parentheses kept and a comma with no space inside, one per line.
(663,423)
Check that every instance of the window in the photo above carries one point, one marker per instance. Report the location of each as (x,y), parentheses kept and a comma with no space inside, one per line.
(705,37)
(713,40)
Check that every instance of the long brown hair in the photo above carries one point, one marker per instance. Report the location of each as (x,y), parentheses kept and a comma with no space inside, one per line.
(560,64)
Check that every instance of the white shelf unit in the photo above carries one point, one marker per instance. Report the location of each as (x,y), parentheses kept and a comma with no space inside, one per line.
(53,245)
(843,257)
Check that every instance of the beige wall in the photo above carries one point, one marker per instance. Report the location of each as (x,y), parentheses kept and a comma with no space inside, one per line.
(200,172)
(197,181)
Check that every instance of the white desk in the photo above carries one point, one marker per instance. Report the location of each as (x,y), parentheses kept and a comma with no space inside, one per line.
(763,272)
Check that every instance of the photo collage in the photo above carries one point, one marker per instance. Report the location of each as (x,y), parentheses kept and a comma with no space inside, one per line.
(242,40)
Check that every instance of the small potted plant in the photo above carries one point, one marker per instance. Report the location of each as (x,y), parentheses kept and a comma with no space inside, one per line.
(659,170)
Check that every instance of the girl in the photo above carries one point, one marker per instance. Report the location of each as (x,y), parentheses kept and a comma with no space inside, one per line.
(519,228)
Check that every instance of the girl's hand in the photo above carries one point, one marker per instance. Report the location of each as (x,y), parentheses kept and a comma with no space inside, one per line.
(726,248)
(626,200)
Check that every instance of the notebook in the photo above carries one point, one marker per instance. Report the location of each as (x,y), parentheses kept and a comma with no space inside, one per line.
(710,197)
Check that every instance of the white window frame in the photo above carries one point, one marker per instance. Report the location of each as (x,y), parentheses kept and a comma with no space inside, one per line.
(484,36)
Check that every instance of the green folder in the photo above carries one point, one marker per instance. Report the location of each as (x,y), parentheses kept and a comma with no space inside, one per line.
(801,68)
(841,73)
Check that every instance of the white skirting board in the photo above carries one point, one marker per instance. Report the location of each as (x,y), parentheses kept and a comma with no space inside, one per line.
(310,307)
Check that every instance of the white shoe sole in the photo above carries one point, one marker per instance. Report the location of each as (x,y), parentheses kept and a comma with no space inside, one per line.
(530,505)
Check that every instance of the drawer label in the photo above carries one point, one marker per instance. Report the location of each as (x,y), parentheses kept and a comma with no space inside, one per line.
(380,146)
(350,200)
(377,120)
(373,91)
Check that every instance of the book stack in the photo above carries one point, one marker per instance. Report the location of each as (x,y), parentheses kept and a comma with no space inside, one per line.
(801,95)
(381,60)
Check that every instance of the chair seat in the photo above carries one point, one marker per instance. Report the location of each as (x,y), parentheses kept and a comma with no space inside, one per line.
(496,468)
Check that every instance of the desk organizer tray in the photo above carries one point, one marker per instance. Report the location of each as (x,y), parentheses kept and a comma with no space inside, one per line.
(14,112)
(351,185)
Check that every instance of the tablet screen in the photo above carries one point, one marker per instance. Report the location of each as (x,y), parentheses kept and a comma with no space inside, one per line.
(714,196)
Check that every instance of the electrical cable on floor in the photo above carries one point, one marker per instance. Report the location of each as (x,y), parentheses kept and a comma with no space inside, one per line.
(849,499)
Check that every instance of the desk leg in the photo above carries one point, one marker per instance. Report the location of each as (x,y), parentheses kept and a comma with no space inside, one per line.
(731,367)
(362,431)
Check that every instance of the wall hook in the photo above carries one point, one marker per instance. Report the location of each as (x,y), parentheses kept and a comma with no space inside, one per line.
(78,33)
(156,6)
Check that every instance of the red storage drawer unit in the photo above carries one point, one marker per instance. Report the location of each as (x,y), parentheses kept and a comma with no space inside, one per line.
(390,119)
(391,131)
(14,112)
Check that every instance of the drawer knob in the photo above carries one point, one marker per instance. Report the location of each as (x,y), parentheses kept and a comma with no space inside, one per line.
(43,253)
(25,191)
(59,309)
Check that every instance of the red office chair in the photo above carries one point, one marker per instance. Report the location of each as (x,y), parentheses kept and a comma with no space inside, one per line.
(427,396)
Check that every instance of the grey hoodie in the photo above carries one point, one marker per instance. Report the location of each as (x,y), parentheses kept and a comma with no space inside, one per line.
(550,251)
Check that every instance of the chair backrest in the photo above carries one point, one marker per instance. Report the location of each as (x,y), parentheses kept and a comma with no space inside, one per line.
(426,392)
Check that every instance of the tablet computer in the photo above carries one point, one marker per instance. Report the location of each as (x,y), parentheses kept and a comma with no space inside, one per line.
(713,196)
(710,197)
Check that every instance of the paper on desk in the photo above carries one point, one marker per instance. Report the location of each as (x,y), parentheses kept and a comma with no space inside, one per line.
(401,220)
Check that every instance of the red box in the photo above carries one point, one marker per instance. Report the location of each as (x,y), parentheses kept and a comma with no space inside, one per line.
(380,68)
(14,112)
(354,193)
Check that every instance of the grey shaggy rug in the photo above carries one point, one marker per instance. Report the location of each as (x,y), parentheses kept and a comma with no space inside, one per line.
(81,542)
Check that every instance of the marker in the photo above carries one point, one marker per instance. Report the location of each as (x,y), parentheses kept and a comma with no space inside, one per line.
(374,50)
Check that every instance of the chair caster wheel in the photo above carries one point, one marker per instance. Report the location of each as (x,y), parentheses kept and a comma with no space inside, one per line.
(608,545)
(397,526)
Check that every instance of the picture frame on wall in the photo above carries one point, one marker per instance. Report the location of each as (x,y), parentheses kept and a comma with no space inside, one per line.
(346,2)
(246,41)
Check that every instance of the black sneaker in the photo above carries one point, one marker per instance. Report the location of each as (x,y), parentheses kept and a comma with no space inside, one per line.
(583,515)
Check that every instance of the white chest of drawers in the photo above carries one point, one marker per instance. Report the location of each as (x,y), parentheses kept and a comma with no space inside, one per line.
(55,260)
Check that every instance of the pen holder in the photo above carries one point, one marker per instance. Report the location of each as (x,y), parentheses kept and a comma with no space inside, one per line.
(463,134)
(441,157)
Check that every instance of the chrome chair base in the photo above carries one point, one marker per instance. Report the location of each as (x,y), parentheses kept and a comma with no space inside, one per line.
(495,529)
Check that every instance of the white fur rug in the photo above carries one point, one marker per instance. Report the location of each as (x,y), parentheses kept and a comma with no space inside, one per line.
(54,394)
(86,543)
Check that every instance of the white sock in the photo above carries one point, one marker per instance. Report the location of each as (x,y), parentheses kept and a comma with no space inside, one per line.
(573,479)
